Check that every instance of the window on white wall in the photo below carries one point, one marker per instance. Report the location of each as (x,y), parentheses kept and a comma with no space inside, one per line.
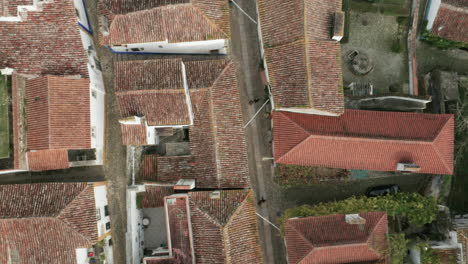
(98,214)
(106,210)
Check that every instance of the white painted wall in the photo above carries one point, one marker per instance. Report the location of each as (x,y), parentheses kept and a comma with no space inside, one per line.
(304,110)
(10,171)
(431,12)
(135,234)
(195,47)
(97,122)
(108,251)
(100,197)
(81,14)
(81,256)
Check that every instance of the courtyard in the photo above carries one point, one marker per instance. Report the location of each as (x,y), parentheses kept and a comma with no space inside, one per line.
(378,32)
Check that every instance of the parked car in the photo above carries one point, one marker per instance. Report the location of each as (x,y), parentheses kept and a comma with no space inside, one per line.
(382,190)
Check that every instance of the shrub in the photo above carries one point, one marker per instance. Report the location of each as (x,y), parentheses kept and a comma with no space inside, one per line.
(397,46)
(441,43)
(427,254)
(418,209)
(398,248)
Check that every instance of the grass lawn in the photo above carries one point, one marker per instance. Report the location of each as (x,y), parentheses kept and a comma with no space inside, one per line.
(4,128)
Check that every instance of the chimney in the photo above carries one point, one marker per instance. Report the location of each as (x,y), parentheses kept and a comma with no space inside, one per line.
(338,26)
(215,195)
(408,167)
(355,219)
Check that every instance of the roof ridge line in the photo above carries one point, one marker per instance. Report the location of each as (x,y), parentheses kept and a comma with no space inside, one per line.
(49,140)
(238,208)
(213,126)
(437,149)
(307,58)
(407,141)
(154,91)
(282,113)
(78,195)
(210,21)
(69,226)
(373,229)
(300,143)
(306,240)
(208,216)
(214,123)
(228,64)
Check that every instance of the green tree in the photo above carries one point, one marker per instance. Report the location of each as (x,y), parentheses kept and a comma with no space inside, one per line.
(418,209)
(398,247)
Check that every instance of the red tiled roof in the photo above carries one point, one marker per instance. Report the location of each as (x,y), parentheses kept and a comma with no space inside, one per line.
(451,21)
(159,107)
(198,20)
(329,239)
(457,3)
(36,216)
(154,195)
(58,113)
(217,141)
(40,240)
(303,62)
(133,134)
(46,42)
(49,159)
(149,167)
(225,229)
(377,140)
(154,89)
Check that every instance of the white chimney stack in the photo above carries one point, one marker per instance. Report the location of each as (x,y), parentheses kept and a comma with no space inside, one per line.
(355,219)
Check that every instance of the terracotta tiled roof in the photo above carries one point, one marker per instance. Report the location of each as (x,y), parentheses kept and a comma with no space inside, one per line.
(217,140)
(49,159)
(154,195)
(329,239)
(58,113)
(224,230)
(451,21)
(456,3)
(37,216)
(153,89)
(197,20)
(134,135)
(159,107)
(377,140)
(29,238)
(303,62)
(46,42)
(149,167)
(10,8)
